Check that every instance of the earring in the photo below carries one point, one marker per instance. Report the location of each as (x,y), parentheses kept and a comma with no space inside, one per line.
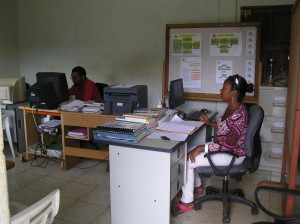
(232,99)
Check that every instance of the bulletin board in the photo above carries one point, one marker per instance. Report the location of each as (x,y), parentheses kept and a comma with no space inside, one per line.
(204,55)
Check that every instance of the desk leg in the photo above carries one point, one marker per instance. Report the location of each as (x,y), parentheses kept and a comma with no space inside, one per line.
(70,161)
(174,203)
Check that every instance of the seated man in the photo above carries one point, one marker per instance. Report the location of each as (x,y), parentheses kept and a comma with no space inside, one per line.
(83,88)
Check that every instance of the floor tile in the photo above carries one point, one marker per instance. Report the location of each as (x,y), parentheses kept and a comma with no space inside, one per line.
(98,196)
(75,190)
(81,213)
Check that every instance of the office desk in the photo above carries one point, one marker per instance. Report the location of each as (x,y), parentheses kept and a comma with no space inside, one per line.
(71,146)
(72,152)
(144,178)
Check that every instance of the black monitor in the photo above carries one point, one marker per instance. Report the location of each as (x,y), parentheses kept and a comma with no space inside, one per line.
(176,94)
(59,82)
(49,91)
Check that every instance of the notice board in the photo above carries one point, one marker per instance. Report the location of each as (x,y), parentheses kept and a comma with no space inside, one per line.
(204,55)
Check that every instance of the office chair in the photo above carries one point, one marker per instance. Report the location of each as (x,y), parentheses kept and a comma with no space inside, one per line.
(100,87)
(279,219)
(42,212)
(249,165)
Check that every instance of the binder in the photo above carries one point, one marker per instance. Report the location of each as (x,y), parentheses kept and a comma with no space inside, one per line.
(121,127)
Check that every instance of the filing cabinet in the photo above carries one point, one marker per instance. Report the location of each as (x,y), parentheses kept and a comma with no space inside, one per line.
(273,101)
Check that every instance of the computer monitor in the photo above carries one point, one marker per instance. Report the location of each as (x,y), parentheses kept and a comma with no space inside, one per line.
(12,90)
(49,91)
(176,94)
(59,82)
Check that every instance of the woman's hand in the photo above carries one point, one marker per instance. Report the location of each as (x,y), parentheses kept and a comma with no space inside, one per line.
(205,119)
(195,152)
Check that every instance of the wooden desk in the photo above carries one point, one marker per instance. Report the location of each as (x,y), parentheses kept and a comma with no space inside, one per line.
(69,120)
(71,146)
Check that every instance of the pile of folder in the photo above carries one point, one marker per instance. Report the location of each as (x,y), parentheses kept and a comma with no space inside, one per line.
(117,131)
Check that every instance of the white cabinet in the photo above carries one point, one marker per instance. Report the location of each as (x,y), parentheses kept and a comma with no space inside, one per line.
(147,178)
(273,101)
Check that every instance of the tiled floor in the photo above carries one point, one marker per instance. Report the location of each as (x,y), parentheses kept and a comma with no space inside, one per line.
(85,193)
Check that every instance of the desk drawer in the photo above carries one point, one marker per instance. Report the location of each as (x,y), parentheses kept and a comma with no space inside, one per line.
(271,155)
(176,185)
(178,154)
(273,100)
(272,129)
(178,168)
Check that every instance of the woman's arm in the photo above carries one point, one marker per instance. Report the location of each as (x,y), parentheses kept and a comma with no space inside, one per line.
(205,119)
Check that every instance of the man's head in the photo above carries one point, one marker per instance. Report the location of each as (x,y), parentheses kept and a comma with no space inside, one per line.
(78,75)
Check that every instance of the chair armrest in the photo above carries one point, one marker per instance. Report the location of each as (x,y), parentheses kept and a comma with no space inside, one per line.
(218,171)
(284,191)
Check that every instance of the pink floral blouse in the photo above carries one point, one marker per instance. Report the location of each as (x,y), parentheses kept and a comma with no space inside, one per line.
(231,132)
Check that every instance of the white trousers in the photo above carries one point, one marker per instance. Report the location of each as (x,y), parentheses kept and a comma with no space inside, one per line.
(193,179)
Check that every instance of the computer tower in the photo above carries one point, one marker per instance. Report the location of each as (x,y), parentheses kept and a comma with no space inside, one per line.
(123,99)
(42,95)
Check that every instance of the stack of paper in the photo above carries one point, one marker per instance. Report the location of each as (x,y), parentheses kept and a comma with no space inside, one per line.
(177,125)
(78,133)
(91,109)
(74,106)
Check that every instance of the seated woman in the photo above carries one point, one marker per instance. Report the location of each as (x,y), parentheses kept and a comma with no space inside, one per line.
(231,131)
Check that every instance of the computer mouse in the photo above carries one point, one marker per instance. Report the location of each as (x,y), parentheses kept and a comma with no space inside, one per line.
(204,111)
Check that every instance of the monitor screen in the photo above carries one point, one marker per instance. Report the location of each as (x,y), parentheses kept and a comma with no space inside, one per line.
(176,93)
(59,82)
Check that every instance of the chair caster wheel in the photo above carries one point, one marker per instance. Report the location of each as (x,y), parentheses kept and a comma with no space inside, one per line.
(254,211)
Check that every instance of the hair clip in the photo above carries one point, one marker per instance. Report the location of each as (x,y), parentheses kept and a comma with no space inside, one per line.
(236,81)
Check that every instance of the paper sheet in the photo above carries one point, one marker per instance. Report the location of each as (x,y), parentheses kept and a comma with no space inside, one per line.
(170,135)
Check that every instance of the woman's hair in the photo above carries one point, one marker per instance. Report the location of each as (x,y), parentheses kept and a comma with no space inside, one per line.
(239,84)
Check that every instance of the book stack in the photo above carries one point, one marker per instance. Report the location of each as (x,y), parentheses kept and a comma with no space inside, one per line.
(120,132)
(78,133)
(156,113)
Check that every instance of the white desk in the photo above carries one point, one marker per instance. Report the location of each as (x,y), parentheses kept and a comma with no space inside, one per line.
(144,178)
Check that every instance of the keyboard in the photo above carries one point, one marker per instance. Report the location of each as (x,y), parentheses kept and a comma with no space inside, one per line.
(194,116)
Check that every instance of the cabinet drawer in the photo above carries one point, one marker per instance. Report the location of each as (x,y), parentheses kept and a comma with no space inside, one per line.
(273,101)
(176,185)
(272,129)
(178,168)
(271,156)
(178,154)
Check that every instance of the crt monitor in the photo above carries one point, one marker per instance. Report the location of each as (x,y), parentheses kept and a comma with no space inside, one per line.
(59,82)
(176,93)
(12,90)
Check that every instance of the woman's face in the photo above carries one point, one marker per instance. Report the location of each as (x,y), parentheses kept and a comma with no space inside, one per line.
(225,92)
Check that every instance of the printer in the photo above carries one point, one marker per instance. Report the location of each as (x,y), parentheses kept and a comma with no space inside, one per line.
(122,99)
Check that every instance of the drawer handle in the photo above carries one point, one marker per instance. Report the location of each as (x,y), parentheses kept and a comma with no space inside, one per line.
(178,168)
(177,185)
(178,153)
(277,130)
(279,104)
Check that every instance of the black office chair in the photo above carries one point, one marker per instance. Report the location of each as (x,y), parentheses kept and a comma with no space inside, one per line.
(100,87)
(279,219)
(249,165)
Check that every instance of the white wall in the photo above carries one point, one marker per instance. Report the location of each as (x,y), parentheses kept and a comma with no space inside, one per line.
(116,41)
(9,54)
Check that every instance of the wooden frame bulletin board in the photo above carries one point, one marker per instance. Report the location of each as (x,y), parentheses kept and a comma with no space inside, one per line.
(205,54)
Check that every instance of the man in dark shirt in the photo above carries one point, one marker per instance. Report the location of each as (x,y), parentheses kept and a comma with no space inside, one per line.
(83,88)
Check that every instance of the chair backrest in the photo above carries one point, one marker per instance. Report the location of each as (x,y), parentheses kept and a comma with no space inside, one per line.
(41,212)
(252,139)
(100,87)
